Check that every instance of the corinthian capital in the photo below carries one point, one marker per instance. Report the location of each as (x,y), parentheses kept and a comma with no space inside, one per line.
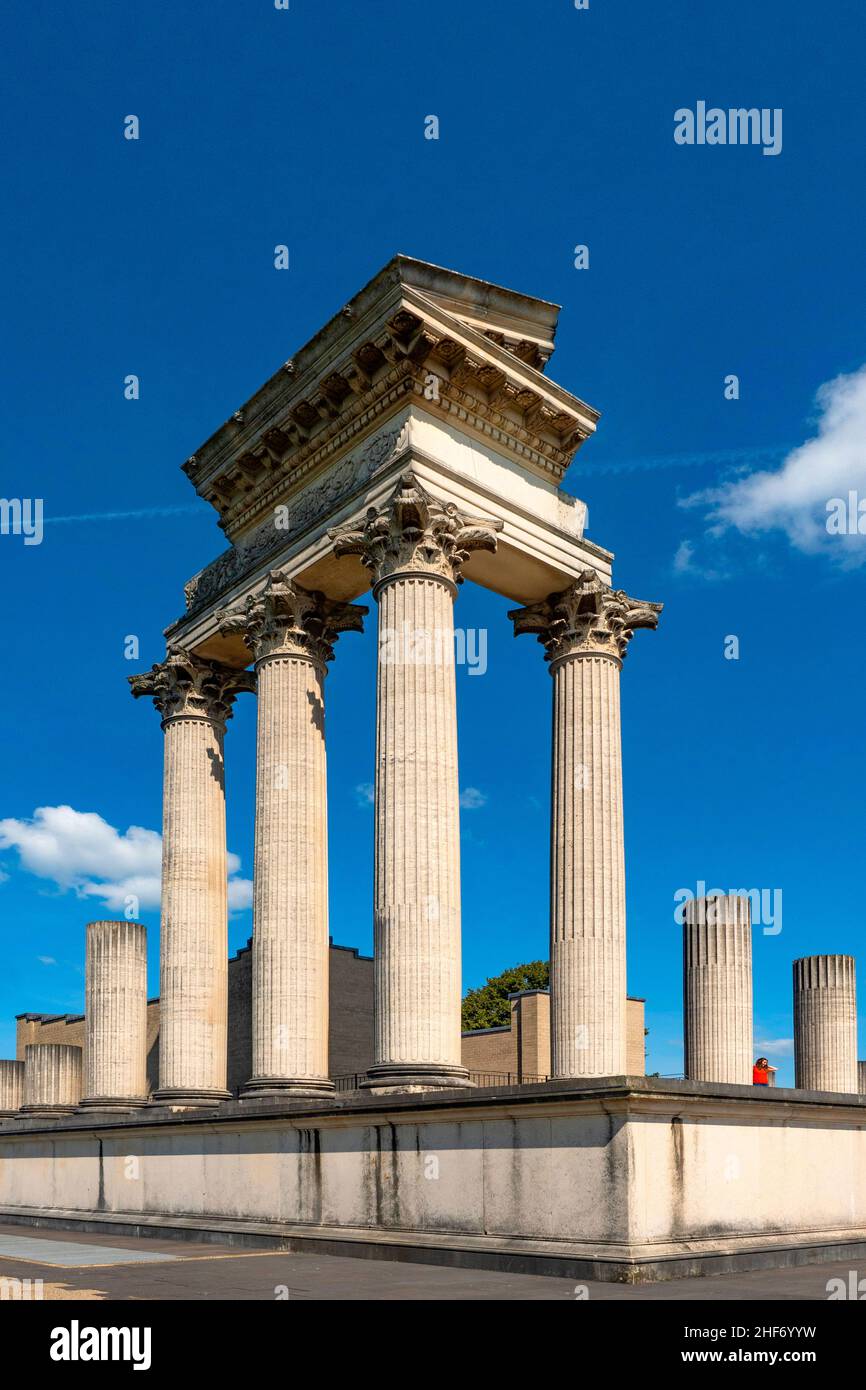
(415,533)
(189,686)
(287,620)
(586,619)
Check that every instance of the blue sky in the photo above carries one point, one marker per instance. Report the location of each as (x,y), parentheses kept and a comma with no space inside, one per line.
(306,127)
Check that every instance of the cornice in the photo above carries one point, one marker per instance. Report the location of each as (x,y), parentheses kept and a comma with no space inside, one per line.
(385,347)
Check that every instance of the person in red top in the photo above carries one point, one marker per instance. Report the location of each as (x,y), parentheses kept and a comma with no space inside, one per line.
(761,1072)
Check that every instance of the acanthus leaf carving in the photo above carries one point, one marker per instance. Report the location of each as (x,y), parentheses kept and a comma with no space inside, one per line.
(588,618)
(188,686)
(286,619)
(415,533)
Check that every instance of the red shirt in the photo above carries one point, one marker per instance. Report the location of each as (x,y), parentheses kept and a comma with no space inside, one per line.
(760,1076)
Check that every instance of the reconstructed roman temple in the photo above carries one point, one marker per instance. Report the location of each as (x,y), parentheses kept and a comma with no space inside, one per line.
(414,443)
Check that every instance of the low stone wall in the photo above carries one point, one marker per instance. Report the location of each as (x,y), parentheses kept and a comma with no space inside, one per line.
(624,1178)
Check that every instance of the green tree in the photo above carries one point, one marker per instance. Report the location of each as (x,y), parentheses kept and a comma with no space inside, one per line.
(488,1006)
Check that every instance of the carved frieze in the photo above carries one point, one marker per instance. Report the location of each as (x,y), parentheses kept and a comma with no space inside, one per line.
(286,522)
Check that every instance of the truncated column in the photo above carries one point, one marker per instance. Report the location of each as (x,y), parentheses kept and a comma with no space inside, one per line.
(11,1087)
(52,1078)
(585,631)
(825,1024)
(291,633)
(115,1040)
(717,989)
(414,548)
(195,698)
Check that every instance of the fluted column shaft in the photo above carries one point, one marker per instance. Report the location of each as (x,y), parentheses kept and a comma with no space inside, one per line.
(195,697)
(585,630)
(825,1024)
(52,1078)
(415,547)
(290,941)
(11,1086)
(417,893)
(717,989)
(861,1077)
(193,977)
(115,1045)
(291,632)
(587,927)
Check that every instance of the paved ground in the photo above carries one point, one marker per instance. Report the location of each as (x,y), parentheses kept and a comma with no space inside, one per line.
(77,1266)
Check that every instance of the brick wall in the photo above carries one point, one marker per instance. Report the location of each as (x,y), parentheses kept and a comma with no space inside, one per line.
(635,1041)
(350,1032)
(523,1047)
(490,1050)
(53,1028)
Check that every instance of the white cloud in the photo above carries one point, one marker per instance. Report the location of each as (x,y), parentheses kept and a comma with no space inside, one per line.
(684,561)
(240,892)
(780,1047)
(81,852)
(471,799)
(794,498)
(4,877)
(46,960)
(683,557)
(365,794)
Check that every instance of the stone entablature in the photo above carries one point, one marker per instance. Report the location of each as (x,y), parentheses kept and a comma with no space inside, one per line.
(542,542)
(484,345)
(421,364)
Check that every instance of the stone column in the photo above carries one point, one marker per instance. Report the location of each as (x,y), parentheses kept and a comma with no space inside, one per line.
(825,1024)
(195,698)
(585,631)
(414,548)
(291,632)
(717,989)
(52,1079)
(115,1016)
(861,1078)
(11,1087)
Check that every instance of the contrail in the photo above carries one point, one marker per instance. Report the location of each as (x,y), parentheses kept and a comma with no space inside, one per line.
(140,515)
(765,454)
